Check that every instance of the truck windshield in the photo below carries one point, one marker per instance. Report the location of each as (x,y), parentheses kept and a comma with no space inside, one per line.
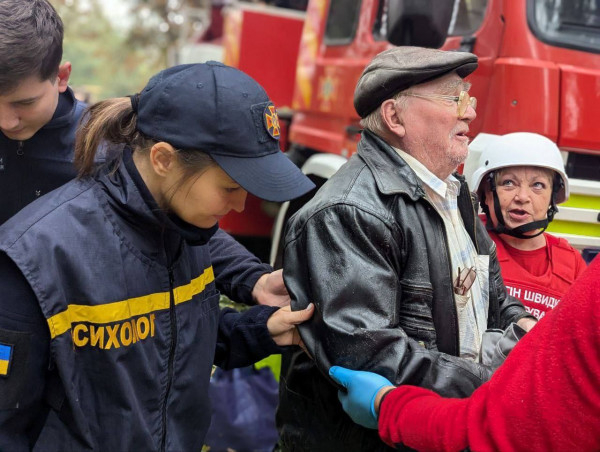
(467,16)
(566,23)
(342,21)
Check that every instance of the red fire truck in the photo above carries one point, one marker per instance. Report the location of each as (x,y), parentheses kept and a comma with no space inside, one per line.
(539,71)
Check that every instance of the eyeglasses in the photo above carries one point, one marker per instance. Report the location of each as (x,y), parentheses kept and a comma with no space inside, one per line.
(463,100)
(464,280)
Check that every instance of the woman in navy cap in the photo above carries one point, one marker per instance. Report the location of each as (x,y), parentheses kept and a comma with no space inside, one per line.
(109,315)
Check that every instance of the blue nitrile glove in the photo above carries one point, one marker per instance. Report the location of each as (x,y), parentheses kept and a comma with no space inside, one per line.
(362,388)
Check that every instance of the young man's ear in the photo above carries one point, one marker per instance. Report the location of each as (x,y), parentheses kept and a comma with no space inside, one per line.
(163,158)
(64,72)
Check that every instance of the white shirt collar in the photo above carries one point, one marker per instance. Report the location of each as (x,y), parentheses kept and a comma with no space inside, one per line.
(427,177)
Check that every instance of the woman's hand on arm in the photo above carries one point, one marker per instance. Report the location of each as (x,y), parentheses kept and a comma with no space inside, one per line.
(282,325)
(270,290)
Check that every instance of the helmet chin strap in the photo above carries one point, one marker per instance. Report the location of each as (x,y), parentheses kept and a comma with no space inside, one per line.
(520,231)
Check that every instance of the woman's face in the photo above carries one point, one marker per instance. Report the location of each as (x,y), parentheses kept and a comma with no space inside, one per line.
(204,199)
(524,193)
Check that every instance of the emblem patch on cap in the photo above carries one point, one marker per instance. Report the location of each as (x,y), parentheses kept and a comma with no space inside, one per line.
(272,121)
(5,358)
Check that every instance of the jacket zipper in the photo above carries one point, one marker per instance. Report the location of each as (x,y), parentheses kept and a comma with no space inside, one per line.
(173,345)
(475,228)
(457,343)
(18,164)
(473,220)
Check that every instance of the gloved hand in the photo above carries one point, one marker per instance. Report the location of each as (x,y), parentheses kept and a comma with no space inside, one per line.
(359,399)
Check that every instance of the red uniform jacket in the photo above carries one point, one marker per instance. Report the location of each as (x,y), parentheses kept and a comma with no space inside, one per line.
(539,294)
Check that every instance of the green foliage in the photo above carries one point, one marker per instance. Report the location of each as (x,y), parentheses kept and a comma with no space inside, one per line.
(117,57)
(225,302)
(172,18)
(104,63)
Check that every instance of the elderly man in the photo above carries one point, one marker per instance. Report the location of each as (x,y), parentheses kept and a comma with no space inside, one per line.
(402,272)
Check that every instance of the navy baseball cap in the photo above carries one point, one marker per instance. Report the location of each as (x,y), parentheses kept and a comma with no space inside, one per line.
(225,113)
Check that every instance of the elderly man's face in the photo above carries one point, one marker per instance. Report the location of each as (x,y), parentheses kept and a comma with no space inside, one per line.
(434,133)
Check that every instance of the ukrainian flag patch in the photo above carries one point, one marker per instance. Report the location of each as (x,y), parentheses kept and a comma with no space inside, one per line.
(5,358)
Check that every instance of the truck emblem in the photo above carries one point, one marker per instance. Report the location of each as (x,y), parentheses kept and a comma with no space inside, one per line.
(328,87)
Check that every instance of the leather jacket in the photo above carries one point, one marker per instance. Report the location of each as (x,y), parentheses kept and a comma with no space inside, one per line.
(371,252)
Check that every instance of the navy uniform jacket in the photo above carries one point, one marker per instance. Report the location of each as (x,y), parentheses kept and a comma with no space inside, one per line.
(34,167)
(110,322)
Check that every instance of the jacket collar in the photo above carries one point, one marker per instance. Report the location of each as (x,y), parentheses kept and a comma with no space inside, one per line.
(67,105)
(392,174)
(130,197)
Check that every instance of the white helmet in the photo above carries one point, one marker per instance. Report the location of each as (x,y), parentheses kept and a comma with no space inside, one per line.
(521,149)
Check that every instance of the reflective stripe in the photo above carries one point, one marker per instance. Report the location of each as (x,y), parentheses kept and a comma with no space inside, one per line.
(133,307)
(582,202)
(569,227)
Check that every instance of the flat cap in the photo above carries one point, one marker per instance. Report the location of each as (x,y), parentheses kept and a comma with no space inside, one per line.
(397,69)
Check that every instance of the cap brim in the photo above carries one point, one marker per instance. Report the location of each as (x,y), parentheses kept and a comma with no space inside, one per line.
(272,177)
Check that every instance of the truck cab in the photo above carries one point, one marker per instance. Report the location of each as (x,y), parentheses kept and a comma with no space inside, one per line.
(539,71)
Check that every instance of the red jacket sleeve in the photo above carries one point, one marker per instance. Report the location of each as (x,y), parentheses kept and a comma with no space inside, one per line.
(545,397)
(424,420)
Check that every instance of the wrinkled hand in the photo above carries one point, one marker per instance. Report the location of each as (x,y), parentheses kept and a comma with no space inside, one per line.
(270,290)
(362,389)
(282,325)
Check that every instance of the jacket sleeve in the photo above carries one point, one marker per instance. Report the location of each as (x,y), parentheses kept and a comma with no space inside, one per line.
(243,338)
(347,262)
(236,269)
(421,419)
(25,343)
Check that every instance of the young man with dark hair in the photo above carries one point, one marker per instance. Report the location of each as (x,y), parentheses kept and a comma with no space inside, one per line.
(38,111)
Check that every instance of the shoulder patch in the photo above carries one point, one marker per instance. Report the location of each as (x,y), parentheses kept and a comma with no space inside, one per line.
(14,364)
(5,359)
